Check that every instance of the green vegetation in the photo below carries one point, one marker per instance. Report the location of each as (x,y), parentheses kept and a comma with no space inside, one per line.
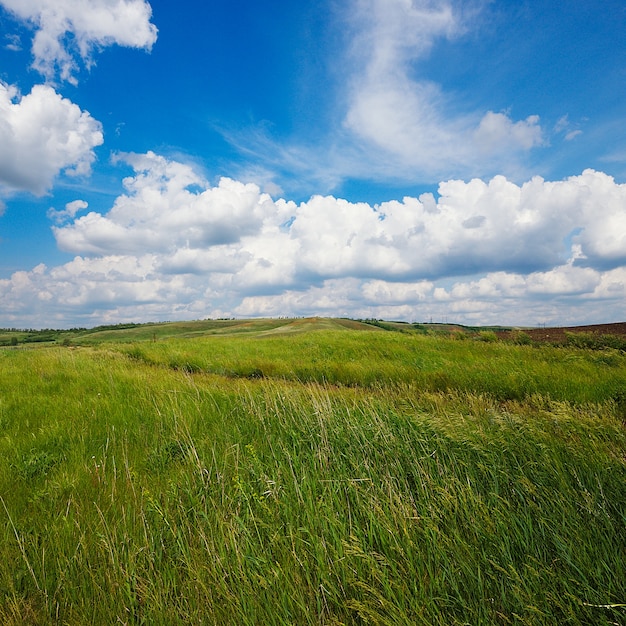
(311,472)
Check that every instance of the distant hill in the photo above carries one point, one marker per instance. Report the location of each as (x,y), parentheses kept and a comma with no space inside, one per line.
(128,332)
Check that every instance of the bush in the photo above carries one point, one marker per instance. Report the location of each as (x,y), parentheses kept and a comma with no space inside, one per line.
(521,338)
(487,335)
(593,341)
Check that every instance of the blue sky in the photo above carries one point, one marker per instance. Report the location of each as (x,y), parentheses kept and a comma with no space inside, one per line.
(401,159)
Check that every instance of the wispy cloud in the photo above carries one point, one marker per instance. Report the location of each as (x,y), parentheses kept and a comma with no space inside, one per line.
(13,42)
(567,129)
(392,122)
(408,116)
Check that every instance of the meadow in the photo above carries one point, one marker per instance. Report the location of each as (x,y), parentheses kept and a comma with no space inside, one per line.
(314,472)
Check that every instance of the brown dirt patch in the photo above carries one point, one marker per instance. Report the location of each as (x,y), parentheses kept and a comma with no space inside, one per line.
(559,335)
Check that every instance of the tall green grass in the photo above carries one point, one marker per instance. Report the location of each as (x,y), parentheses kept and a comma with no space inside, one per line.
(371,359)
(320,478)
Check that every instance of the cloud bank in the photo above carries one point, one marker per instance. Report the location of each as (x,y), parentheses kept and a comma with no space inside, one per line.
(175,247)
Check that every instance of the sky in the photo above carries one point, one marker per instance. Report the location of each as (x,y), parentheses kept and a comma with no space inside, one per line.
(420,160)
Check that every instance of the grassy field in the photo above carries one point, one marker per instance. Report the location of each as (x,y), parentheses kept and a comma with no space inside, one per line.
(310,472)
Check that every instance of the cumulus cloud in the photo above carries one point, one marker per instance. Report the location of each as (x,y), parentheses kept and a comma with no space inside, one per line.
(476,227)
(176,247)
(101,290)
(69,29)
(41,135)
(164,212)
(472,227)
(70,211)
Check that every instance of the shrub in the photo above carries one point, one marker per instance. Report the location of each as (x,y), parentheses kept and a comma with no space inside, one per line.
(521,338)
(593,341)
(487,335)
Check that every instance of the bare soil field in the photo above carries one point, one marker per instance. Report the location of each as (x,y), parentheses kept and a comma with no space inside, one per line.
(559,335)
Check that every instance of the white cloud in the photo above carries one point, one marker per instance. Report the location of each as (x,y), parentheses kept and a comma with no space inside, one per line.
(564,280)
(496,133)
(612,287)
(409,117)
(70,211)
(573,134)
(161,213)
(381,293)
(391,119)
(124,288)
(473,227)
(66,29)
(41,135)
(563,126)
(13,43)
(175,247)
